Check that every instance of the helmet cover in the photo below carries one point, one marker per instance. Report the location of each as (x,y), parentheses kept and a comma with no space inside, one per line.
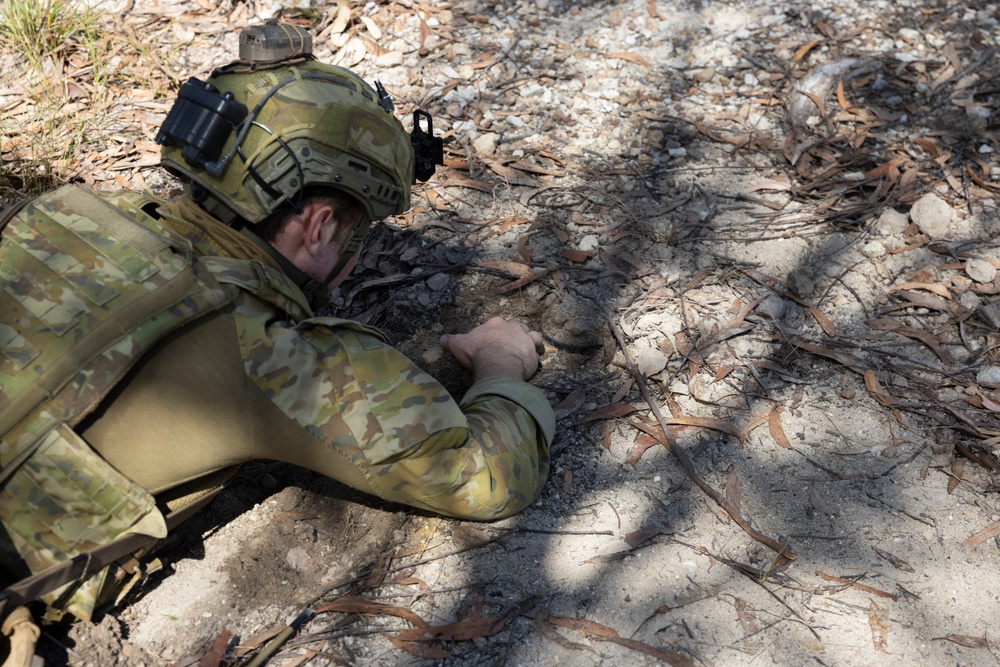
(309,124)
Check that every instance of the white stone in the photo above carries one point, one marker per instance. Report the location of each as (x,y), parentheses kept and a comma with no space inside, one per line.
(389,59)
(980,270)
(932,215)
(486,144)
(589,242)
(891,222)
(873,249)
(650,361)
(989,376)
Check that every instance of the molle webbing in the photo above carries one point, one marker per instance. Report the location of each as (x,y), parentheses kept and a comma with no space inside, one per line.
(86,288)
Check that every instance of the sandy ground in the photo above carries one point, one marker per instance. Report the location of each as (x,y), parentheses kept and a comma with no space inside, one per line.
(783,213)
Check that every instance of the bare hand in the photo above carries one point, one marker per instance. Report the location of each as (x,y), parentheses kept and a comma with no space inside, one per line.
(497,348)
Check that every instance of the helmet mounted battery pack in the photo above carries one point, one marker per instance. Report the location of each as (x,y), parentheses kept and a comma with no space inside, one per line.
(200,122)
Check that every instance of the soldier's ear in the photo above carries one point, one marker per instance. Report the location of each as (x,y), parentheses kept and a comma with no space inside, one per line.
(319,226)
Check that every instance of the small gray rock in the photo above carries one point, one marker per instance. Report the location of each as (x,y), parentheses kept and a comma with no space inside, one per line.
(989,376)
(486,144)
(773,306)
(980,270)
(650,361)
(891,222)
(438,281)
(873,249)
(932,215)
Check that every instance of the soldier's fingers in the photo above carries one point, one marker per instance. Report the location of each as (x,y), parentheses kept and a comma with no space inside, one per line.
(536,338)
(524,327)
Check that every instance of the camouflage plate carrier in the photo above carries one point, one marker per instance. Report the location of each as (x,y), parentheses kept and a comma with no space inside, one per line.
(89,284)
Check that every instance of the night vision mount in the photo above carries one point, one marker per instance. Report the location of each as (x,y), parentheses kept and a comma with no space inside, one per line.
(203,118)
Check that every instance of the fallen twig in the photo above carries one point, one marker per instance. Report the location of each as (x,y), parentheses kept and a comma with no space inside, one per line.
(784,550)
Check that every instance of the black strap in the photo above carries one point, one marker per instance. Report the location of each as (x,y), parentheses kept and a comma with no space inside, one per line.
(316,292)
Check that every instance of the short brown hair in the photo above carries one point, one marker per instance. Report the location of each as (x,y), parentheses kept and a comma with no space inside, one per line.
(345,207)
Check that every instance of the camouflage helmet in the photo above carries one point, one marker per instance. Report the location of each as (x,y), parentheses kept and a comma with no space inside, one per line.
(255,135)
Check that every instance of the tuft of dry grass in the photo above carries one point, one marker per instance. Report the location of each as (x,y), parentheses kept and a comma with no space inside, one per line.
(68,71)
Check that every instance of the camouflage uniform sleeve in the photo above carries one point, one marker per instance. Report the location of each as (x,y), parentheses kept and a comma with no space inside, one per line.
(367,402)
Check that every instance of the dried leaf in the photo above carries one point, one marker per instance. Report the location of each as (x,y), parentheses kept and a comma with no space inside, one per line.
(523,249)
(817,101)
(734,489)
(989,403)
(825,322)
(470,628)
(372,27)
(341,20)
(957,474)
(610,411)
(713,423)
(927,301)
(420,650)
(425,32)
(967,641)
(927,145)
(503,225)
(987,533)
(642,443)
(354,604)
(512,268)
(604,633)
(842,99)
(747,620)
(927,339)
(768,184)
(574,255)
(573,402)
(651,9)
(804,50)
(638,538)
(855,584)
(879,626)
(554,635)
(777,432)
(849,360)
(518,284)
(488,59)
(214,655)
(874,388)
(631,57)
(895,561)
(762,417)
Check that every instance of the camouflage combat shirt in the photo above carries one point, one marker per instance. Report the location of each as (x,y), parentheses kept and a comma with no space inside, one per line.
(265,378)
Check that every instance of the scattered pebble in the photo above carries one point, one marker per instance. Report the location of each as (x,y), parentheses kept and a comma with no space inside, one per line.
(438,281)
(650,361)
(486,144)
(891,222)
(932,215)
(980,270)
(989,376)
(773,306)
(873,249)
